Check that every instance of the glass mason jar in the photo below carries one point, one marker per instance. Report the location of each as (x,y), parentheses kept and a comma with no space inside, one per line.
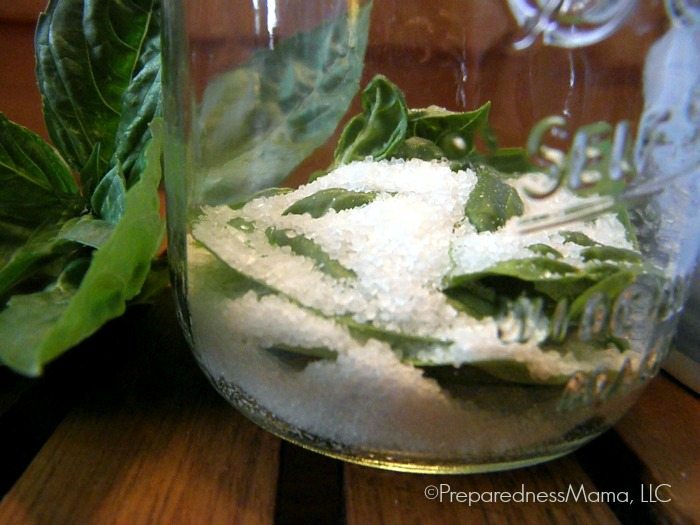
(448,236)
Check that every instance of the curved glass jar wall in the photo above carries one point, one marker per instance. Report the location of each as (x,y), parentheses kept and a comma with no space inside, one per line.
(449,238)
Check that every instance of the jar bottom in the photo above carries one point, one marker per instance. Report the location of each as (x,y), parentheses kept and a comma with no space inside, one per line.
(427,466)
(411,462)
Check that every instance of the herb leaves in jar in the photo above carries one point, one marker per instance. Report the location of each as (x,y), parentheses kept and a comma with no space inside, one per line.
(439,284)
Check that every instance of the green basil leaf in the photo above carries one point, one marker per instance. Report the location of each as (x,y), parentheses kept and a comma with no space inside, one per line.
(418,148)
(338,199)
(434,122)
(88,231)
(495,371)
(44,244)
(492,202)
(473,374)
(432,133)
(510,161)
(92,171)
(611,253)
(474,299)
(12,237)
(593,250)
(379,129)
(455,133)
(317,174)
(512,371)
(37,185)
(317,352)
(610,287)
(26,324)
(543,249)
(235,284)
(530,270)
(140,103)
(261,120)
(156,283)
(109,198)
(36,328)
(39,192)
(88,54)
(567,287)
(623,216)
(307,248)
(578,238)
(405,345)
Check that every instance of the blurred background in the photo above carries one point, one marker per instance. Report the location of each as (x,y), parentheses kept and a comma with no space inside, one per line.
(21,10)
(19,95)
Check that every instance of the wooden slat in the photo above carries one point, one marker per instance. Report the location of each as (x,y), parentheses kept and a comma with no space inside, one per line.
(374,496)
(12,387)
(31,409)
(309,487)
(161,447)
(663,430)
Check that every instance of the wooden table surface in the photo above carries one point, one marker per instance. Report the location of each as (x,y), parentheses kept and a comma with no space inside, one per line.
(125,429)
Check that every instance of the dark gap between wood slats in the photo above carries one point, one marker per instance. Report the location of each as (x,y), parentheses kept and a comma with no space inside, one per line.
(309,488)
(614,468)
(25,426)
(12,388)
(31,409)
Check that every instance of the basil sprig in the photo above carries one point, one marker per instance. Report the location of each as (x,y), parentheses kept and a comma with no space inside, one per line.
(80,220)
(387,128)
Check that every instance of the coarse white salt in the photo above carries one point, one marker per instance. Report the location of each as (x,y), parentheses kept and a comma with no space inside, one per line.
(401,247)
(365,397)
